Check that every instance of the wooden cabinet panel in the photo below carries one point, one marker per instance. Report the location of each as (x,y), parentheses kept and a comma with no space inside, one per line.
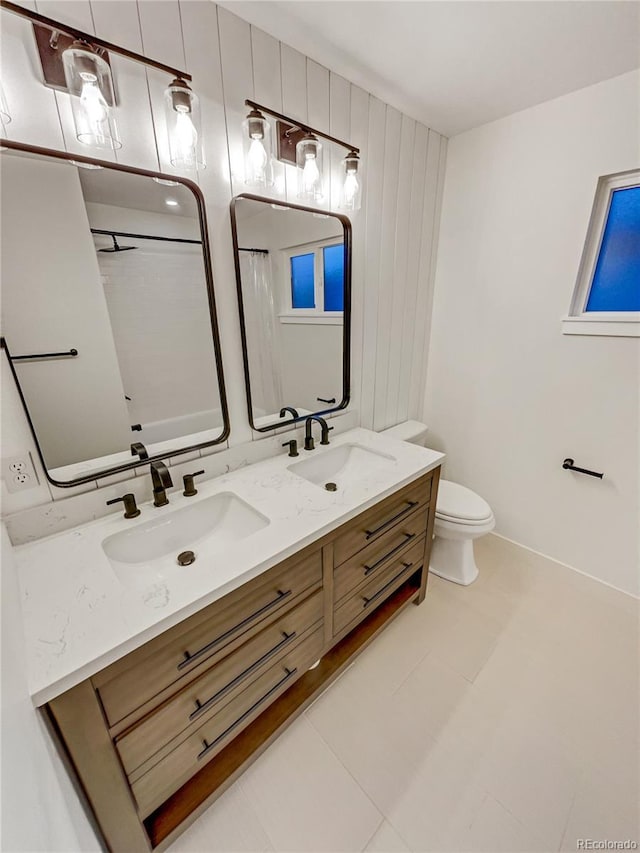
(373,559)
(204,638)
(378,520)
(202,698)
(368,597)
(191,754)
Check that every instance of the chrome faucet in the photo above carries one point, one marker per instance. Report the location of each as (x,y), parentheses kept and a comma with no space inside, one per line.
(308,438)
(161,479)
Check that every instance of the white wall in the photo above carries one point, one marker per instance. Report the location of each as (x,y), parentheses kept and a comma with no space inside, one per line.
(508,396)
(394,233)
(52,300)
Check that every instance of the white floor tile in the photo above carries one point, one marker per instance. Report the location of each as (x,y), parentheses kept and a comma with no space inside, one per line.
(386,840)
(304,797)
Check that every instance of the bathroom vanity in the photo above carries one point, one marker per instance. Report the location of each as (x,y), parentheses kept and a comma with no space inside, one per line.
(160,701)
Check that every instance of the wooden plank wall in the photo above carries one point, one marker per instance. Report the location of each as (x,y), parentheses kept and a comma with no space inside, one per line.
(395,233)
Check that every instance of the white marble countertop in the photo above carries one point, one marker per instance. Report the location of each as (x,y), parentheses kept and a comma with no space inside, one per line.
(80,617)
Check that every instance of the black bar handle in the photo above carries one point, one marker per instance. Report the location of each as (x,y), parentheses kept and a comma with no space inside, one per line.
(408,508)
(322,400)
(71,353)
(189,658)
(568,465)
(407,538)
(209,746)
(201,707)
(369,601)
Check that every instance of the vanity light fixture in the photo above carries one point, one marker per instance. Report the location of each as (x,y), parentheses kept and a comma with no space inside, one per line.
(351,188)
(309,162)
(5,115)
(77,62)
(257,151)
(298,145)
(89,82)
(182,111)
(171,202)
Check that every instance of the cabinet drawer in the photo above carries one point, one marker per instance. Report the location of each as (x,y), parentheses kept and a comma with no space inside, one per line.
(367,598)
(169,774)
(373,559)
(378,520)
(184,652)
(204,697)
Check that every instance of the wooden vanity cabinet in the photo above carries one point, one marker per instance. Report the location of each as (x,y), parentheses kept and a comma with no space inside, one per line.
(158,735)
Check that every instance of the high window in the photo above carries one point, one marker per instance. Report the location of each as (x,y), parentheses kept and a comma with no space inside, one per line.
(606,300)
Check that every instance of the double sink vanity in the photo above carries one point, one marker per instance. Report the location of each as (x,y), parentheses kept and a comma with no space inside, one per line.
(162,682)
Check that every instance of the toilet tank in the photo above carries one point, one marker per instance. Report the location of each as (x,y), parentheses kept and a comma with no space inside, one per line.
(412,431)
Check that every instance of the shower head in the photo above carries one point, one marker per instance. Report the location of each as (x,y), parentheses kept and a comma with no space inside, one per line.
(117,247)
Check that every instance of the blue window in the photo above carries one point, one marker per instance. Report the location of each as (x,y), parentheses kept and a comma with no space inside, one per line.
(303,281)
(333,259)
(616,281)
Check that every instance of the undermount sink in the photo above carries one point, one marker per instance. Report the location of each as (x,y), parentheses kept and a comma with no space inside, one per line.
(341,466)
(215,520)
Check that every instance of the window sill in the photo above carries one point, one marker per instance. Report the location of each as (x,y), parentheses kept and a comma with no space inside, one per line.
(619,327)
(313,319)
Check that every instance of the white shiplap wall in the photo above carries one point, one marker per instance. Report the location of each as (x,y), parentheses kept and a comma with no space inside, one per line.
(395,233)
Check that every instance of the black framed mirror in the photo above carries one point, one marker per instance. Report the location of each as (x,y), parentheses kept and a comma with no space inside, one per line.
(109,318)
(293,276)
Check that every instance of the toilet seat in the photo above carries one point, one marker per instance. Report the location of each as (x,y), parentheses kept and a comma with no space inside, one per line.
(460,505)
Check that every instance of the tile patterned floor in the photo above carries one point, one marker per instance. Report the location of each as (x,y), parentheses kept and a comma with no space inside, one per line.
(503,716)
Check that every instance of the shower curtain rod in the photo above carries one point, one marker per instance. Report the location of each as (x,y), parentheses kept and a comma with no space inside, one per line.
(259,251)
(144,236)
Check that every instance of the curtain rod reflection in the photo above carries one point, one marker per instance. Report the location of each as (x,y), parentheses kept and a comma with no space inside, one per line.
(144,236)
(258,251)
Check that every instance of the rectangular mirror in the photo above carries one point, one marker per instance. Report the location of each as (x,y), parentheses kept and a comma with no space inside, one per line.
(293,272)
(108,315)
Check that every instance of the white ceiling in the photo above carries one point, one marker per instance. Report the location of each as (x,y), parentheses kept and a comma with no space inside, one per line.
(457,65)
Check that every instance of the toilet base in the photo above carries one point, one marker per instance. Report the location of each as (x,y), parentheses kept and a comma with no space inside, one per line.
(453,560)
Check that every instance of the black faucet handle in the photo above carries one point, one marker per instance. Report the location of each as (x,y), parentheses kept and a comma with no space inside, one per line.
(189,489)
(293,447)
(130,508)
(325,436)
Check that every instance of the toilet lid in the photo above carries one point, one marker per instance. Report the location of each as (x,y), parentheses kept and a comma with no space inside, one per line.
(458,502)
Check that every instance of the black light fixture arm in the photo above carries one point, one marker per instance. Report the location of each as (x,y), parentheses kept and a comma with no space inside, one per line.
(296,124)
(72,32)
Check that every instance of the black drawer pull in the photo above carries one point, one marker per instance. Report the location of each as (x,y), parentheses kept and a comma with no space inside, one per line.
(407,538)
(201,707)
(209,746)
(188,658)
(389,521)
(368,601)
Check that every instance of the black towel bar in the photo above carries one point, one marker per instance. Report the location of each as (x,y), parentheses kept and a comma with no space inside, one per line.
(568,464)
(72,353)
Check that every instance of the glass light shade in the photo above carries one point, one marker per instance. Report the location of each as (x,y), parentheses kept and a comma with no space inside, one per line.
(351,194)
(256,139)
(182,109)
(5,115)
(90,85)
(309,162)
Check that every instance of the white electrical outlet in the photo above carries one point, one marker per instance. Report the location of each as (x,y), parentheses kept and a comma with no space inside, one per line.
(19,473)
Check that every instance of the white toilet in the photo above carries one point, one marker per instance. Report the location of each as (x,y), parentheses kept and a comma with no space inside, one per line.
(461,517)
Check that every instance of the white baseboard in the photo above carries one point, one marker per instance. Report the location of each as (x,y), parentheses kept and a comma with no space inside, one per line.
(566,566)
